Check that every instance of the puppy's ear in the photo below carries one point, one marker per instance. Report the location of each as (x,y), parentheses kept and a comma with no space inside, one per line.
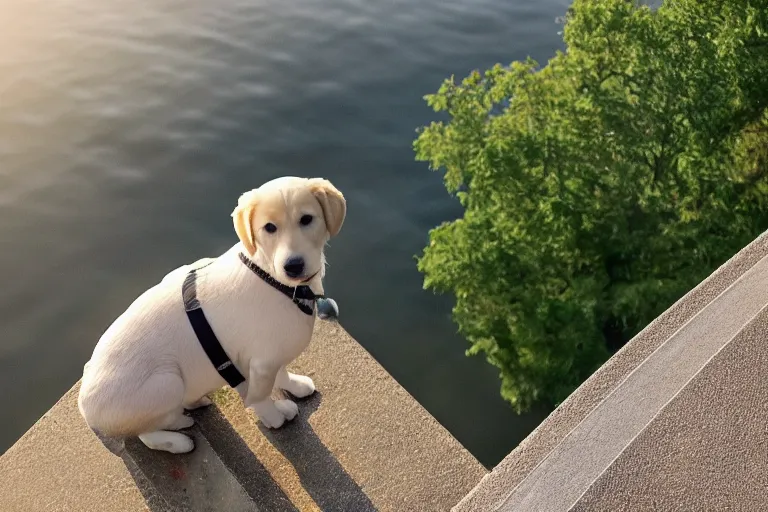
(242,218)
(332,202)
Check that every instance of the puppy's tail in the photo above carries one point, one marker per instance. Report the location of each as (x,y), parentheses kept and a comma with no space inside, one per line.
(116,445)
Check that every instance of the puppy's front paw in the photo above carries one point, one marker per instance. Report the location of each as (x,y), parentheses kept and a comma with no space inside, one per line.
(300,386)
(289,408)
(271,417)
(273,414)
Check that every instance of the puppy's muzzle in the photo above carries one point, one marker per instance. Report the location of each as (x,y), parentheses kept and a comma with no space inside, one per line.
(294,267)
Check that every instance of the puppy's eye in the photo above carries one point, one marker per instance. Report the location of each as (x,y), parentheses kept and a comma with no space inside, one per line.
(305,220)
(270,228)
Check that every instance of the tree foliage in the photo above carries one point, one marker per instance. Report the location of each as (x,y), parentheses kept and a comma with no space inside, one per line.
(600,188)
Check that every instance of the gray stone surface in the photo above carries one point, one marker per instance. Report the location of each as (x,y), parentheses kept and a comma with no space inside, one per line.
(60,466)
(707,449)
(643,433)
(199,480)
(361,443)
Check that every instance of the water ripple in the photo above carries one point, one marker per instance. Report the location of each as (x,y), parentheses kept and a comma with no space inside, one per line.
(116,118)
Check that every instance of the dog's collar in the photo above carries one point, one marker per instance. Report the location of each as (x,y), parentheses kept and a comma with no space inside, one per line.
(302,295)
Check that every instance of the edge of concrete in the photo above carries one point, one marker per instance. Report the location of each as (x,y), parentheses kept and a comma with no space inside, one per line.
(361,443)
(496,487)
(705,449)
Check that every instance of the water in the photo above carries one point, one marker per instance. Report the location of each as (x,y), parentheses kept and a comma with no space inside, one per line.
(128,130)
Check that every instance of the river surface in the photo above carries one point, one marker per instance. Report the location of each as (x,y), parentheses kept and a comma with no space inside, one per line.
(129,129)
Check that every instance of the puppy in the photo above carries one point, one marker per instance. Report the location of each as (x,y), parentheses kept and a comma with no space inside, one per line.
(149,365)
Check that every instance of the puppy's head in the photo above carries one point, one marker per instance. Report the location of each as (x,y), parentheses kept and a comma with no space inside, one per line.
(285,223)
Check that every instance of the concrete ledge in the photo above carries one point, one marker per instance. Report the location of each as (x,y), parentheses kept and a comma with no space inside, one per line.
(59,465)
(605,447)
(706,449)
(362,443)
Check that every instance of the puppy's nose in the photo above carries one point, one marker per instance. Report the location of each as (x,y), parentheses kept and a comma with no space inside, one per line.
(294,267)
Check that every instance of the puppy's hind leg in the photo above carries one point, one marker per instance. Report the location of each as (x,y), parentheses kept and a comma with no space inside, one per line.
(165,392)
(165,440)
(197,404)
(176,420)
(173,442)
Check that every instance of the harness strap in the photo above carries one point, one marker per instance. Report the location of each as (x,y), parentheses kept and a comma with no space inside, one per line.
(205,335)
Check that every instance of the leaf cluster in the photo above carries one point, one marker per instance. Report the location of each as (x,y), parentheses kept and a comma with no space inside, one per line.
(599,188)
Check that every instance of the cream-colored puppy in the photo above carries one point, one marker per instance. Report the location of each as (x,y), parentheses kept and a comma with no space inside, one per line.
(149,365)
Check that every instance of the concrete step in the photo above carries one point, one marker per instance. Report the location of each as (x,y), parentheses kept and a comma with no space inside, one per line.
(199,480)
(632,437)
(361,443)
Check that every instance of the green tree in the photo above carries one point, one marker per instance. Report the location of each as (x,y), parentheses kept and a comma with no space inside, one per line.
(600,188)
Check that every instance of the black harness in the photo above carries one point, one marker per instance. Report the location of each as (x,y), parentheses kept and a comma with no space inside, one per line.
(302,296)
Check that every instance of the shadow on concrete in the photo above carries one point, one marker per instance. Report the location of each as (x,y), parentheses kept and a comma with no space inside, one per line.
(221,473)
(321,475)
